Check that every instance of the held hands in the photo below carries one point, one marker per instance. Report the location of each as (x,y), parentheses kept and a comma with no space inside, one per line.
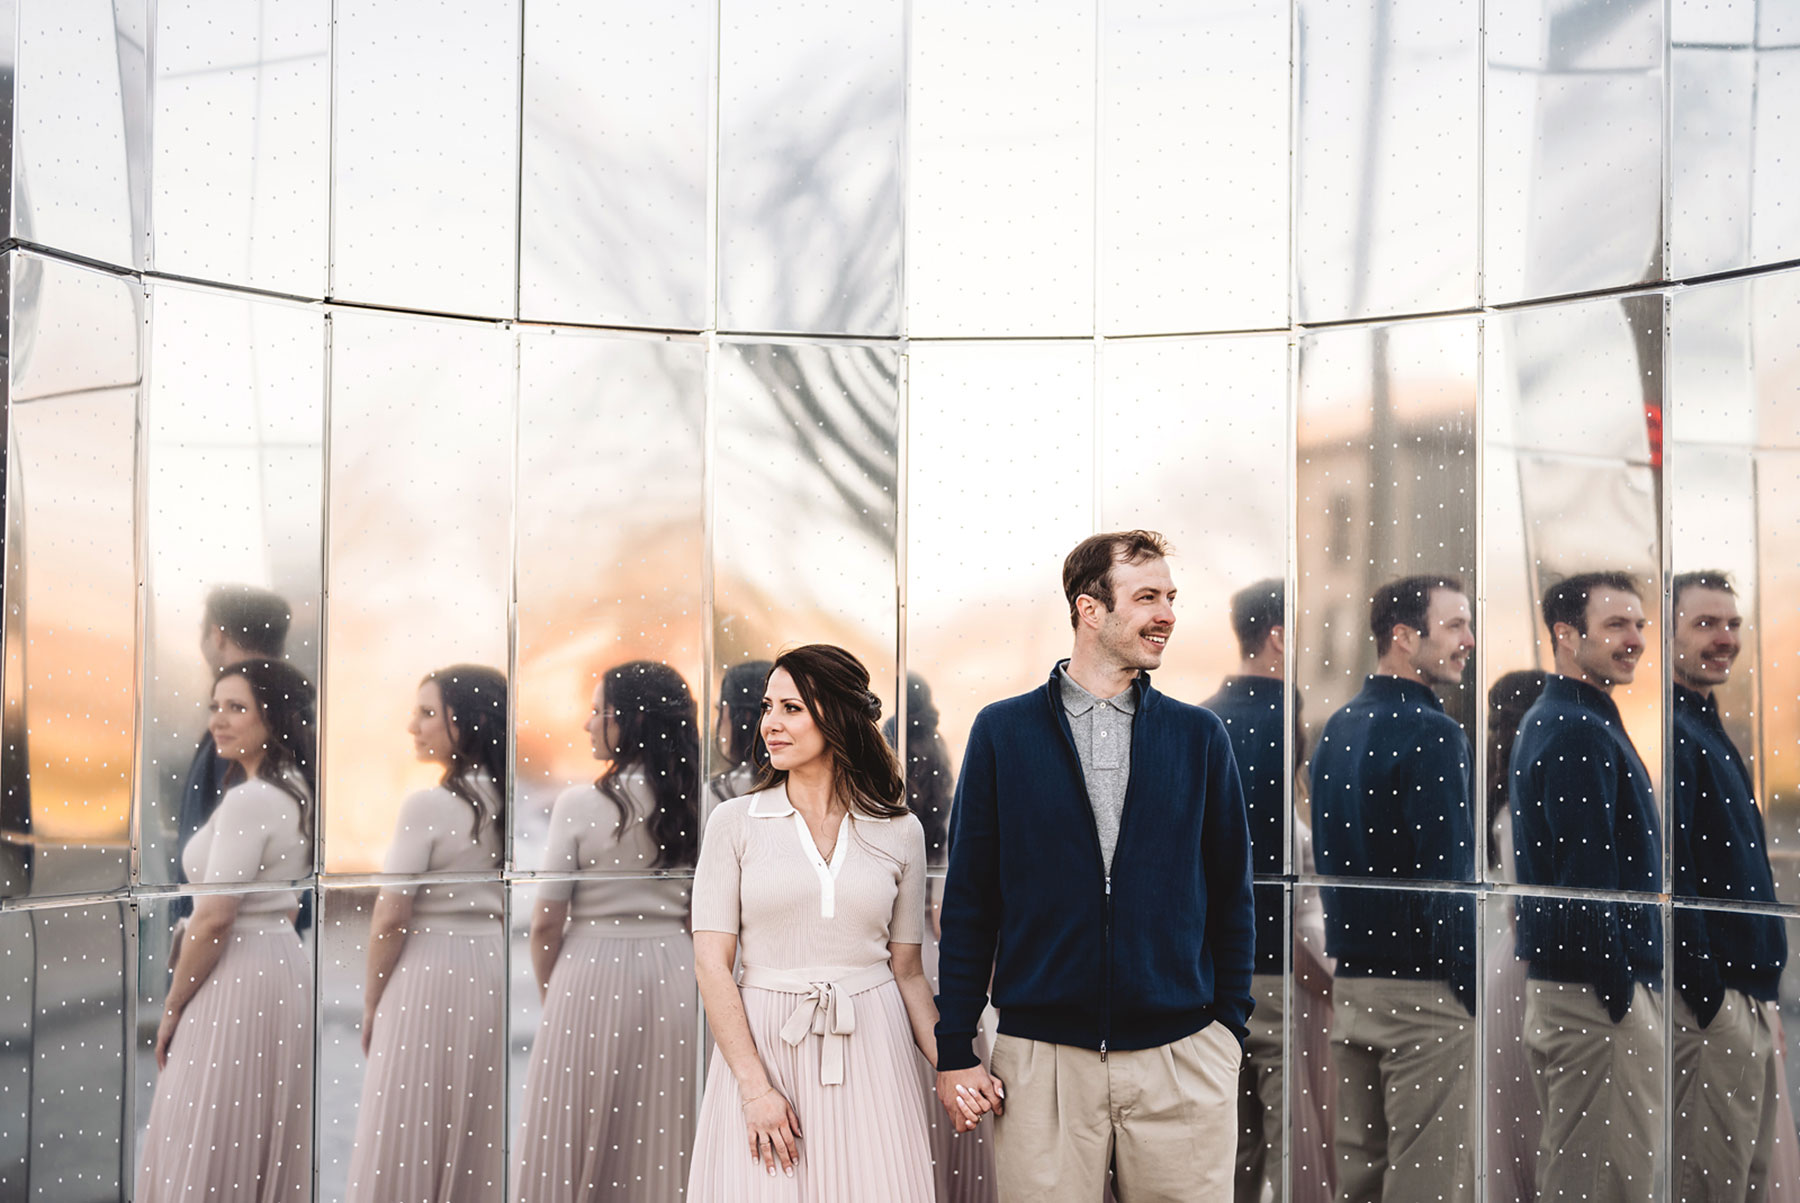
(773,1129)
(969,1094)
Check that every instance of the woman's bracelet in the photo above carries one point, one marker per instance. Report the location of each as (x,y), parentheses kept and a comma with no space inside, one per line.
(754,1097)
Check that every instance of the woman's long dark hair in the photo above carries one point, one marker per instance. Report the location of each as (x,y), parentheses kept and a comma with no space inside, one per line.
(740,697)
(1508,700)
(659,735)
(285,701)
(475,711)
(835,687)
(929,774)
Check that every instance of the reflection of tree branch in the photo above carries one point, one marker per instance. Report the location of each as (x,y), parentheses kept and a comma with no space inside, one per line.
(803,180)
(853,445)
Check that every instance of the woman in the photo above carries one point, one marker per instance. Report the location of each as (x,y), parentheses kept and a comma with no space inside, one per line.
(820,875)
(929,774)
(606,1110)
(740,710)
(232,1116)
(1512,1143)
(429,1129)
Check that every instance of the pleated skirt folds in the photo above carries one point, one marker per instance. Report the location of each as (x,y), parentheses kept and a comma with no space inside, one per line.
(863,1140)
(232,1116)
(431,1126)
(608,1107)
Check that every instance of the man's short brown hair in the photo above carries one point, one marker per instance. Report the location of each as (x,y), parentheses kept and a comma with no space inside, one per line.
(1088,569)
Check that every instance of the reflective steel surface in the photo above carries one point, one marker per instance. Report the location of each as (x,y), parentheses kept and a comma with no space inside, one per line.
(556,338)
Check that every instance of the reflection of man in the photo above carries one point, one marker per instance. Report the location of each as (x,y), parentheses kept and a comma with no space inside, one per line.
(1727,963)
(1584,818)
(240,623)
(1100,872)
(1391,799)
(1250,703)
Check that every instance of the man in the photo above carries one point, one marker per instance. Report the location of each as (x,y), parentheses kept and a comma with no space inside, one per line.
(1727,963)
(1100,873)
(1391,799)
(240,623)
(1250,703)
(1584,818)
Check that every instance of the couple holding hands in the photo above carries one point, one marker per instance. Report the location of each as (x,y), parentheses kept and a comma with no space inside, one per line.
(1099,880)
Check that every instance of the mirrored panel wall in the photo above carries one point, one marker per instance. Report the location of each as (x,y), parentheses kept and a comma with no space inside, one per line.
(417,569)
(233,494)
(609,571)
(66,1037)
(74,385)
(614,166)
(240,125)
(805,508)
(1572,540)
(1386,584)
(454,412)
(1731,440)
(811,116)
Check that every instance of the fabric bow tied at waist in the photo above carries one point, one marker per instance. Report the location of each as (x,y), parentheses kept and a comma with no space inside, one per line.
(828,1012)
(824,1010)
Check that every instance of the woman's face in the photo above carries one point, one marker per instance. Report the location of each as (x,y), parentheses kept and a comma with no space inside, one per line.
(788,730)
(237,724)
(602,726)
(434,739)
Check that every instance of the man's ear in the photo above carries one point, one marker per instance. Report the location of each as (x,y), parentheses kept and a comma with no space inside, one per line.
(1562,631)
(1277,641)
(1088,607)
(1406,637)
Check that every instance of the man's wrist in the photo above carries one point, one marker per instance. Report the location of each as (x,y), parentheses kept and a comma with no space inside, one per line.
(956,1051)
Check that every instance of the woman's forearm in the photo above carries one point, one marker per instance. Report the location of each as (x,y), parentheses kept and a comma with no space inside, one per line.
(387,939)
(201,947)
(547,940)
(915,993)
(731,1029)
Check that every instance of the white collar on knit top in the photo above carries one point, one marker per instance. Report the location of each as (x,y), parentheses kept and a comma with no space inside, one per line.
(774,804)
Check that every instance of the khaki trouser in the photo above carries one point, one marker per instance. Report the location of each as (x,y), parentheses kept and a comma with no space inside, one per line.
(1261,1147)
(1725,1100)
(1163,1118)
(1599,1088)
(1405,1058)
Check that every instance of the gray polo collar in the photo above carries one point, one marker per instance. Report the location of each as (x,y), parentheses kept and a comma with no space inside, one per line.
(1078,701)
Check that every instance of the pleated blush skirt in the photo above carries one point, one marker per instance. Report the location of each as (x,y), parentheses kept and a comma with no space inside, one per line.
(431,1128)
(863,1140)
(608,1111)
(232,1117)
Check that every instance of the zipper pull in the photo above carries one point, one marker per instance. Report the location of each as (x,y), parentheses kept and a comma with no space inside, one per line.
(1109,883)
(1103,1050)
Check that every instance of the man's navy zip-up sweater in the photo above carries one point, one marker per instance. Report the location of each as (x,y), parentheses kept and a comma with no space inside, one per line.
(1147,957)
(1584,818)
(1720,851)
(1391,783)
(1252,711)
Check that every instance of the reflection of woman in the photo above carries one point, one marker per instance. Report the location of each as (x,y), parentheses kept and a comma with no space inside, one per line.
(434,1004)
(928,772)
(607,1095)
(233,1111)
(963,1164)
(821,877)
(740,710)
(1513,1143)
